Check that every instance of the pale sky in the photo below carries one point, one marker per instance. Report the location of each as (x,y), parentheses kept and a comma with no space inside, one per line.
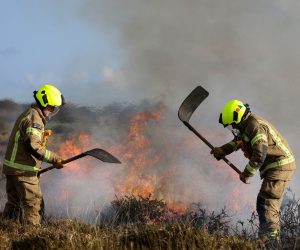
(98,52)
(49,41)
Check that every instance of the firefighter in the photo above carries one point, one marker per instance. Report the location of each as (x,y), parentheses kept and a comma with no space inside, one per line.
(25,153)
(268,152)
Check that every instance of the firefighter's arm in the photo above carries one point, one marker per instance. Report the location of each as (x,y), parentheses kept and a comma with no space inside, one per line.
(259,146)
(34,133)
(226,149)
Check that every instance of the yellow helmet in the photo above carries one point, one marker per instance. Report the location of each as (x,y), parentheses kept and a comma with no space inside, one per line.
(49,95)
(233,112)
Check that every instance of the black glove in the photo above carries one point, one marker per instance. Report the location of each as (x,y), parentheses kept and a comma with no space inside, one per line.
(218,153)
(245,178)
(58,164)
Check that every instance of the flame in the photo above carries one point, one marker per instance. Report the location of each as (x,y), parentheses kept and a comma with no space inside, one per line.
(74,146)
(141,173)
(140,157)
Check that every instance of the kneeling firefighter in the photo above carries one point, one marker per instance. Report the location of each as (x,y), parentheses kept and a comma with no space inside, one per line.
(25,152)
(268,152)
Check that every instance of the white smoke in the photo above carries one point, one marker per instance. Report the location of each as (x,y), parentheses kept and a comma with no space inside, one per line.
(235,49)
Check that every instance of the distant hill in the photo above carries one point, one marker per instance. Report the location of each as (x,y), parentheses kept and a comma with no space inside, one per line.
(109,121)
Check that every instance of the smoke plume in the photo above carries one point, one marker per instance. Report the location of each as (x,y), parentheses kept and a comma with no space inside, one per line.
(235,49)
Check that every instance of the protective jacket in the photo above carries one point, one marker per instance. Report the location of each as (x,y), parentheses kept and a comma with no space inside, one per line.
(25,152)
(267,150)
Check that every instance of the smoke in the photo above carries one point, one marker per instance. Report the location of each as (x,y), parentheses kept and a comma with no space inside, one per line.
(246,48)
(157,159)
(235,49)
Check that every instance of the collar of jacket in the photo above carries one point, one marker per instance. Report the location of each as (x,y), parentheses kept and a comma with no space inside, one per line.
(40,112)
(242,126)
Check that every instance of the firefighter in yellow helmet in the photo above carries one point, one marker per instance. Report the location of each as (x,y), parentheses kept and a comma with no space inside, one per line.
(268,152)
(24,155)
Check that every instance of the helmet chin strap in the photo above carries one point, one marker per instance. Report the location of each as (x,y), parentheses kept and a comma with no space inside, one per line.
(48,118)
(234,131)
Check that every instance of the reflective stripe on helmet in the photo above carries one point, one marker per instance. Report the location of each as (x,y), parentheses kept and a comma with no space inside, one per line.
(21,166)
(258,137)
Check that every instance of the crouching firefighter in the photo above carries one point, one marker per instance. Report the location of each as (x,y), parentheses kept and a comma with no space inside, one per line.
(25,152)
(268,152)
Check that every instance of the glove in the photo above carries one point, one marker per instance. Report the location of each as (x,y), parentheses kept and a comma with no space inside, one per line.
(218,153)
(58,164)
(245,178)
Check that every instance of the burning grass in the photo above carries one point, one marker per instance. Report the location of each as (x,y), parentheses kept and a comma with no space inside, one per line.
(132,209)
(135,210)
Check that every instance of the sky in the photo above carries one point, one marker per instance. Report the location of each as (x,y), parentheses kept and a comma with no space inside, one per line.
(99,52)
(102,52)
(50,42)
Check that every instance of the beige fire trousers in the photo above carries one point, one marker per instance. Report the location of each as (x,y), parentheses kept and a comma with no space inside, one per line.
(268,206)
(24,198)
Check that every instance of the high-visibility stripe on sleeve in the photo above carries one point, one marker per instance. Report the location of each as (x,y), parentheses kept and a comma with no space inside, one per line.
(34,131)
(277,139)
(288,154)
(251,169)
(259,137)
(47,155)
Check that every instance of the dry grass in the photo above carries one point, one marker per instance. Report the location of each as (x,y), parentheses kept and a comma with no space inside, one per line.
(145,223)
(69,234)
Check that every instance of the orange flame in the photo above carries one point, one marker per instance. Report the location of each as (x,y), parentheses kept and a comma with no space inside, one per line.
(74,146)
(139,158)
(140,174)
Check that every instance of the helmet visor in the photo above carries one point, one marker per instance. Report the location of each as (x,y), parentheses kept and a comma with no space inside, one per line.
(53,111)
